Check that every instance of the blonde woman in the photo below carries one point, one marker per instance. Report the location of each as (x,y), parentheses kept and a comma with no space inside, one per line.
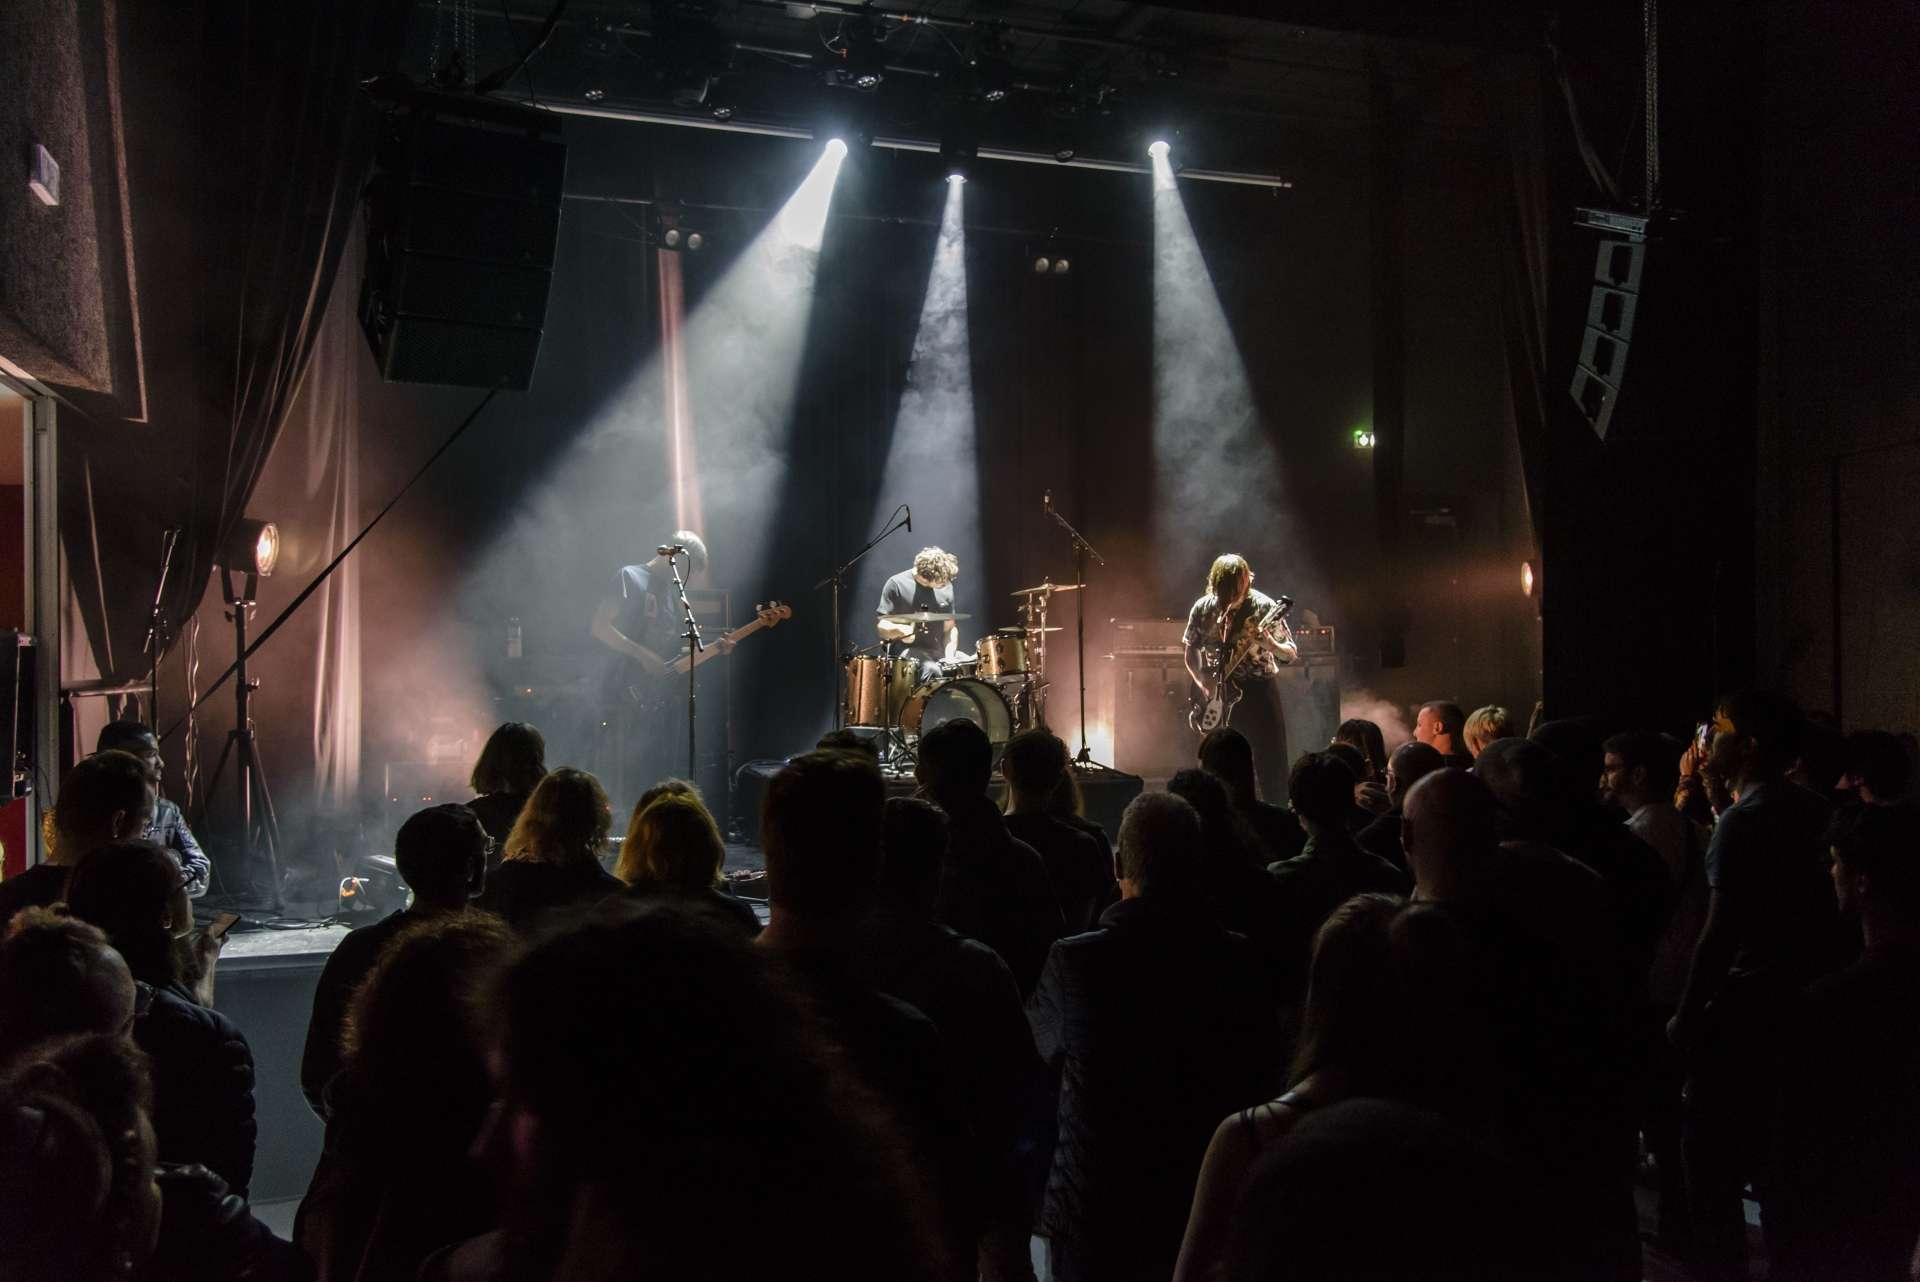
(673,851)
(1486,725)
(552,856)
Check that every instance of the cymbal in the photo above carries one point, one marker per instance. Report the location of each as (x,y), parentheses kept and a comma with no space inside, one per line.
(1043,629)
(1048,587)
(923,616)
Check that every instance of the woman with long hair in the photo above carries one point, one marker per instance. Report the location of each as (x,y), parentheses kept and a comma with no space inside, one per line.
(510,767)
(673,849)
(1386,1017)
(202,1065)
(552,857)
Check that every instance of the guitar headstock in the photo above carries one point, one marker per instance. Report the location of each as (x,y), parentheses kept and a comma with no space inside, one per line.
(772,612)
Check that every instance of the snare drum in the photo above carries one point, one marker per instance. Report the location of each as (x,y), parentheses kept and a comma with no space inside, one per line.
(968,699)
(1003,654)
(877,689)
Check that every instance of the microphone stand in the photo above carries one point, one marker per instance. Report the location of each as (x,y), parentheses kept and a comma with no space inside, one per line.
(692,634)
(159,629)
(836,581)
(1081,551)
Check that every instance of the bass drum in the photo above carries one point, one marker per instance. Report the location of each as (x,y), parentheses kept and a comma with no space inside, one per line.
(967,699)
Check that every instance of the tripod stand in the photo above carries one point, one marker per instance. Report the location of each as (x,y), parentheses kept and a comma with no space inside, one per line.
(251,780)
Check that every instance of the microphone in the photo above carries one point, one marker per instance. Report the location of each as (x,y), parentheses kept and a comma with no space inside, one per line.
(909,517)
(671,549)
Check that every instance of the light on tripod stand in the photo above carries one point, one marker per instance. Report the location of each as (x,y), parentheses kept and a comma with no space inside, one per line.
(252,548)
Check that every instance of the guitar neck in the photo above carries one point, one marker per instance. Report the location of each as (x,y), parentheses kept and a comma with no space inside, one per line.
(712,648)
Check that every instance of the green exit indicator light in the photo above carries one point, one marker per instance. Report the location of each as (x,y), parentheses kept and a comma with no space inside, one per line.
(1362,438)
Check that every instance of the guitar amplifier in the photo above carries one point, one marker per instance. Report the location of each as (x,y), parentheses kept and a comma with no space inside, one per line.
(1316,644)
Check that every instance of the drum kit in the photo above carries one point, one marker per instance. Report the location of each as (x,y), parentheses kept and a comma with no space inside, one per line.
(1001,687)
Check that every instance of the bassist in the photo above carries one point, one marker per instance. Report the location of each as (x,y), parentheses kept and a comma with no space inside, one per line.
(1222,625)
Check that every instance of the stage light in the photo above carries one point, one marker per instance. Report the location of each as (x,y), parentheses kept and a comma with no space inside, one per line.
(1362,438)
(695,240)
(1061,267)
(1528,579)
(863,63)
(671,238)
(836,148)
(1042,265)
(252,548)
(957,176)
(1159,149)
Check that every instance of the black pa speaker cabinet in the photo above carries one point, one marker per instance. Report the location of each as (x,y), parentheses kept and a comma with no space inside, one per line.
(463,215)
(1611,311)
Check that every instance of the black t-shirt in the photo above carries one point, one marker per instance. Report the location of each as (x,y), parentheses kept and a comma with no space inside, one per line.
(904,594)
(1768,859)
(648,613)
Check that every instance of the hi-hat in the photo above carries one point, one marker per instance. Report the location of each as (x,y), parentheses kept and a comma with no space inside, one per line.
(1048,587)
(923,616)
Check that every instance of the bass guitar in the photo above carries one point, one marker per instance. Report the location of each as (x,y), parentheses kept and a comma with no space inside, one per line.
(764,616)
(1210,714)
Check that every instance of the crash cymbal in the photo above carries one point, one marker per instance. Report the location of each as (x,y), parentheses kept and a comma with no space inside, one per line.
(923,616)
(1042,630)
(1048,587)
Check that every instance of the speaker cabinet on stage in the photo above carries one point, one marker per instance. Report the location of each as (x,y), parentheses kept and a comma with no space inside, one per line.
(463,217)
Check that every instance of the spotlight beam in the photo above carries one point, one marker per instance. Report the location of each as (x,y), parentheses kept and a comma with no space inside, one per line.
(1216,475)
(932,462)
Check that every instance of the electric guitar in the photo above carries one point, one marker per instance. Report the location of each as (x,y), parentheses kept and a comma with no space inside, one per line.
(1210,714)
(765,616)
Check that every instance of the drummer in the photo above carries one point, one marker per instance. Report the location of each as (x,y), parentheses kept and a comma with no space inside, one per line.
(927,588)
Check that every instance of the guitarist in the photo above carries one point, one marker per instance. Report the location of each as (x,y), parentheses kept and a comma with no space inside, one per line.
(641,622)
(1221,624)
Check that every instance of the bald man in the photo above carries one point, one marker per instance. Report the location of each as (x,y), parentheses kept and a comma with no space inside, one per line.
(1557,983)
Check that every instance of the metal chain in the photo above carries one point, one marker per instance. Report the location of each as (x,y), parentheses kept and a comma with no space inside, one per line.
(467,60)
(1650,25)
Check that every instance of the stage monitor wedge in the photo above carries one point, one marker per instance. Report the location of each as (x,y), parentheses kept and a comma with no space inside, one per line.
(463,217)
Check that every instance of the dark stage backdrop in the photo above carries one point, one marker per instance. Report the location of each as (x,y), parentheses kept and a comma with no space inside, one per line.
(532,513)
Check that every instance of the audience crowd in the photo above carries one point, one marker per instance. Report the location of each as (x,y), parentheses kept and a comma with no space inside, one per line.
(1437,1016)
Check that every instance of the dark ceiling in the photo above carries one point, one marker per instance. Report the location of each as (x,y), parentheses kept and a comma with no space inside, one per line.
(1091,76)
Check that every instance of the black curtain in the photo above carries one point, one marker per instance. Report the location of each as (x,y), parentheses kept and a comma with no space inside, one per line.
(248,140)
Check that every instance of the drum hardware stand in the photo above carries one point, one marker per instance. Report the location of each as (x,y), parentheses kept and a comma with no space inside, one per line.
(893,737)
(692,635)
(1081,551)
(837,580)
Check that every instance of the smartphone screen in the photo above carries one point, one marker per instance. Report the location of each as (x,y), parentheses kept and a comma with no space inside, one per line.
(221,924)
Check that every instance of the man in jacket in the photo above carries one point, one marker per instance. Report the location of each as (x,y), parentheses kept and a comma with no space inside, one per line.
(993,887)
(1161,1024)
